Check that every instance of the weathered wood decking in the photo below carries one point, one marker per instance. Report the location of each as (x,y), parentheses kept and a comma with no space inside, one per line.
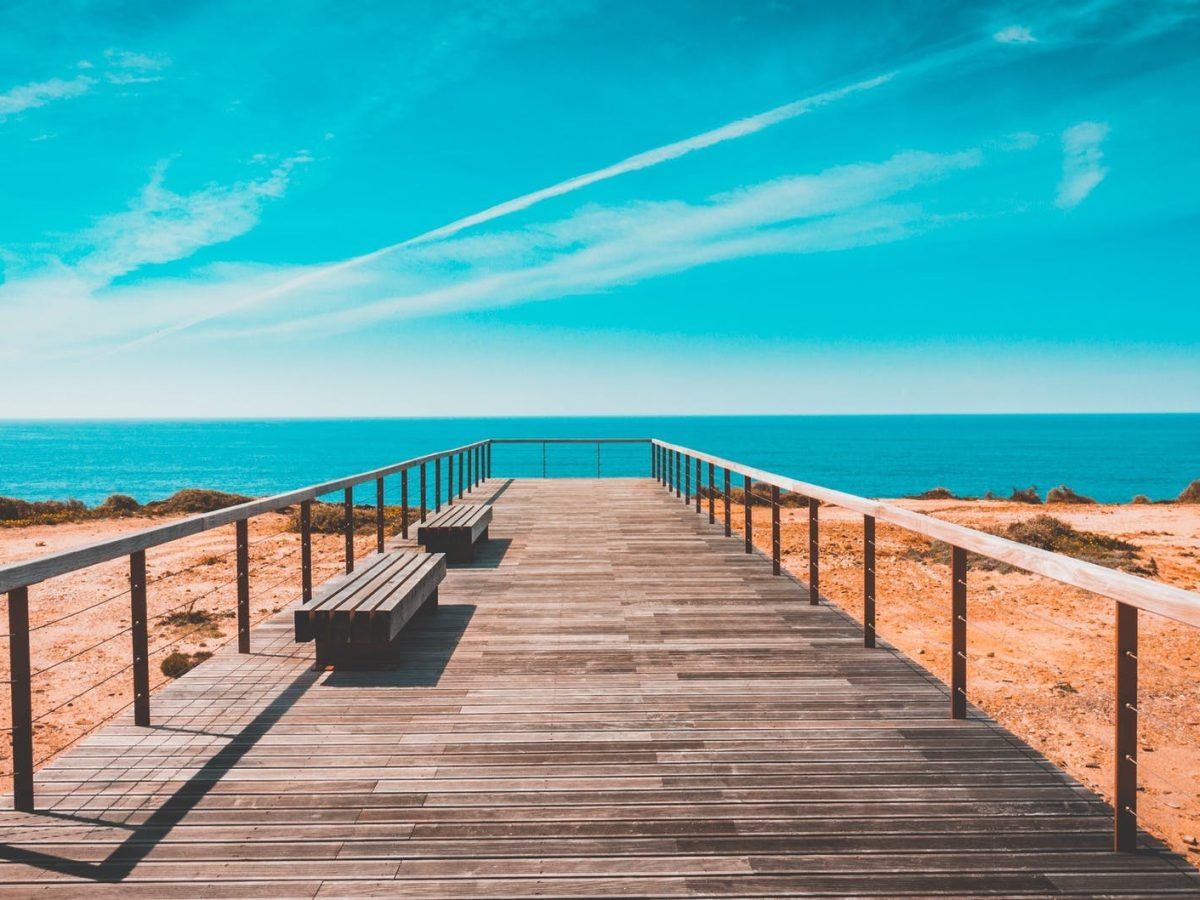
(612,700)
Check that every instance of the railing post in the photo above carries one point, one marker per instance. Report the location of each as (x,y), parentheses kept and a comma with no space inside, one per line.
(814,551)
(776,548)
(461,467)
(437,484)
(348,527)
(306,591)
(141,638)
(697,485)
(958,634)
(423,494)
(489,460)
(653,461)
(678,480)
(728,512)
(687,479)
(1126,730)
(449,479)
(868,581)
(243,585)
(404,503)
(471,470)
(748,498)
(378,515)
(21,694)
(712,495)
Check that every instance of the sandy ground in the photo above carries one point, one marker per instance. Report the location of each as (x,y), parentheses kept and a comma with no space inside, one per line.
(1040,653)
(1040,657)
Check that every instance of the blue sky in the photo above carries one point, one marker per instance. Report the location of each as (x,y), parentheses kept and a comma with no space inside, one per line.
(532,207)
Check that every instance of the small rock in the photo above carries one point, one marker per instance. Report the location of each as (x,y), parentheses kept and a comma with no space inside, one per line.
(1065,687)
(1147,749)
(1189,839)
(990,654)
(1173,804)
(921,651)
(1091,765)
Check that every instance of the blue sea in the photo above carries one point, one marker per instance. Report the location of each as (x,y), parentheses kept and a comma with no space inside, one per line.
(1109,457)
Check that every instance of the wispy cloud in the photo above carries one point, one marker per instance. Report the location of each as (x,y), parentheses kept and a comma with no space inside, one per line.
(40,93)
(127,67)
(162,225)
(1015,34)
(602,247)
(731,131)
(1082,156)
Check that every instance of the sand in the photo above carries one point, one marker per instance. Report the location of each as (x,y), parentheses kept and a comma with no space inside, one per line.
(1040,653)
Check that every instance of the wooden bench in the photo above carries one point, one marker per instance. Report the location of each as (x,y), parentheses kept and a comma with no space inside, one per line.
(454,531)
(356,618)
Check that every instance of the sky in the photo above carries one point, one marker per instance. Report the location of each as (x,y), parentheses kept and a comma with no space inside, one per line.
(537,208)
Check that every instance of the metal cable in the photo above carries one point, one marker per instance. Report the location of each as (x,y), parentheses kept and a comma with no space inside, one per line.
(66,703)
(77,612)
(79,653)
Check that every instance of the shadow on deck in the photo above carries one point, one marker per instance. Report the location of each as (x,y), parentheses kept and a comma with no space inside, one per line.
(620,702)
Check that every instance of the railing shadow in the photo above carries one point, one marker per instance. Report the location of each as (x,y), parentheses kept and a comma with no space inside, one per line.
(145,837)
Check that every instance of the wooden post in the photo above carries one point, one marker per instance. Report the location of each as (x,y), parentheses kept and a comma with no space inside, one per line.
(348,527)
(306,592)
(423,494)
(378,515)
(489,460)
(654,462)
(461,467)
(1126,731)
(712,495)
(728,512)
(814,552)
(687,479)
(404,503)
(471,470)
(449,479)
(243,585)
(141,638)
(776,544)
(678,480)
(868,581)
(749,530)
(958,634)
(437,484)
(697,485)
(21,694)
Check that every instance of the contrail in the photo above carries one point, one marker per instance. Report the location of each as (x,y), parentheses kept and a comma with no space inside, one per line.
(732,131)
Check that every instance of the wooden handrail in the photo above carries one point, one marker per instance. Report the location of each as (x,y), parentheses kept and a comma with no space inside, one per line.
(32,571)
(1142,593)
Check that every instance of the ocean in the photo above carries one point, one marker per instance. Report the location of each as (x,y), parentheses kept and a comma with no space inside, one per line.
(1109,457)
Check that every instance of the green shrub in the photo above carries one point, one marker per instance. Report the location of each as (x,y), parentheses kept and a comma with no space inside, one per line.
(1028,495)
(177,664)
(937,493)
(194,500)
(1140,499)
(1063,494)
(1190,494)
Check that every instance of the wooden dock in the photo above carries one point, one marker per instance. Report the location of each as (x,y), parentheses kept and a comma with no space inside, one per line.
(612,700)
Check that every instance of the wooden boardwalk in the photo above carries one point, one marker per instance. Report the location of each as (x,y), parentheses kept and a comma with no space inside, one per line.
(614,699)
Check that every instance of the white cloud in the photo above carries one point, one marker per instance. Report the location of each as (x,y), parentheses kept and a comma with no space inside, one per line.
(602,247)
(125,67)
(732,131)
(161,226)
(1015,34)
(40,93)
(1082,156)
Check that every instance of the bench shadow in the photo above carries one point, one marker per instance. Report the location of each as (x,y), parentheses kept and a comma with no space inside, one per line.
(488,554)
(425,648)
(143,838)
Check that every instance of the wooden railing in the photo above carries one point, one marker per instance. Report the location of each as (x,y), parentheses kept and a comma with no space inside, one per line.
(682,470)
(473,464)
(679,469)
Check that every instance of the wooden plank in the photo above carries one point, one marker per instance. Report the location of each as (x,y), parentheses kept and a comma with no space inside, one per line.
(623,703)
